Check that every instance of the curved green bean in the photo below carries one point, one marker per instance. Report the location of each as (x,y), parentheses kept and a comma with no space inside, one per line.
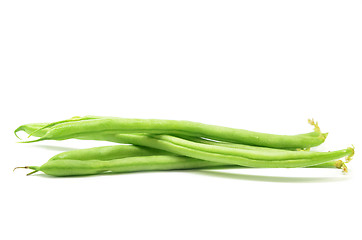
(252,154)
(106,153)
(70,167)
(122,151)
(37,130)
(144,140)
(73,129)
(124,165)
(151,141)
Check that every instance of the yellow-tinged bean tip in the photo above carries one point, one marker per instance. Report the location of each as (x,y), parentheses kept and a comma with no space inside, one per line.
(350,156)
(341,165)
(314,124)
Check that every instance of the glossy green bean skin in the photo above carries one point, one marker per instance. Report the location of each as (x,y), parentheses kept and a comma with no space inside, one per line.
(34,127)
(117,152)
(31,127)
(36,130)
(144,140)
(68,167)
(39,130)
(230,145)
(248,153)
(109,153)
(106,153)
(73,129)
(257,154)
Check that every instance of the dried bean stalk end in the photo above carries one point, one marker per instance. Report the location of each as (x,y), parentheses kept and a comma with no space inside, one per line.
(315,124)
(341,165)
(317,129)
(350,156)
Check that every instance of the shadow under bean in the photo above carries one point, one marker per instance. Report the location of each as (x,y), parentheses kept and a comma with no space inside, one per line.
(225,175)
(261,178)
(55,148)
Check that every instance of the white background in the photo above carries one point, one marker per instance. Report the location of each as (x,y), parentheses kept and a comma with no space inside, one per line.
(265,66)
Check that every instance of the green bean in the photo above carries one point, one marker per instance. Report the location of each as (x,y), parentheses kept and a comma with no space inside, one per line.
(73,129)
(124,165)
(269,155)
(35,129)
(248,153)
(144,140)
(69,167)
(123,151)
(38,130)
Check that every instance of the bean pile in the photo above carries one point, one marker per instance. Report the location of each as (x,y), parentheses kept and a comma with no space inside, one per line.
(155,145)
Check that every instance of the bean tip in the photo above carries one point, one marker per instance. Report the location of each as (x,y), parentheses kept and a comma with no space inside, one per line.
(314,124)
(323,136)
(32,172)
(350,156)
(36,169)
(31,141)
(26,167)
(18,130)
(341,165)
